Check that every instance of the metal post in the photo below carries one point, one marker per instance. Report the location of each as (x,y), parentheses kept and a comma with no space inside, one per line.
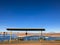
(26,35)
(41,38)
(10,36)
(41,33)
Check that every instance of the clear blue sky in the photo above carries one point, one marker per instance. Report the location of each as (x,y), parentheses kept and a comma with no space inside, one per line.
(30,14)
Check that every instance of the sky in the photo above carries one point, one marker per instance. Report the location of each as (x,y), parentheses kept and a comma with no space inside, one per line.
(30,14)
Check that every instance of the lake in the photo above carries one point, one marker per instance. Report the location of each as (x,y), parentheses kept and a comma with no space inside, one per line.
(7,37)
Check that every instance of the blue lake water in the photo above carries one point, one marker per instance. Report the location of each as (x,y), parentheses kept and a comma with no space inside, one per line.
(33,37)
(39,37)
(7,37)
(53,38)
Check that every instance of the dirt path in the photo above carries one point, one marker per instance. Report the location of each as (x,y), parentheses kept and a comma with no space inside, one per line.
(34,44)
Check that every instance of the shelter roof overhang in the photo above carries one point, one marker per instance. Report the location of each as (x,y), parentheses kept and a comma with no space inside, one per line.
(25,29)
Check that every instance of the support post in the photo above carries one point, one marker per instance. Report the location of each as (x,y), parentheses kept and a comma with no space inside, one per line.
(41,36)
(26,35)
(10,36)
(41,33)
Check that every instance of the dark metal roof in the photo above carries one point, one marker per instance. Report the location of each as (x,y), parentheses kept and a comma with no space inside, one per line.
(25,29)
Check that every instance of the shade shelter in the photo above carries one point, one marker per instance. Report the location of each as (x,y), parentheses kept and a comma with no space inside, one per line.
(26,29)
